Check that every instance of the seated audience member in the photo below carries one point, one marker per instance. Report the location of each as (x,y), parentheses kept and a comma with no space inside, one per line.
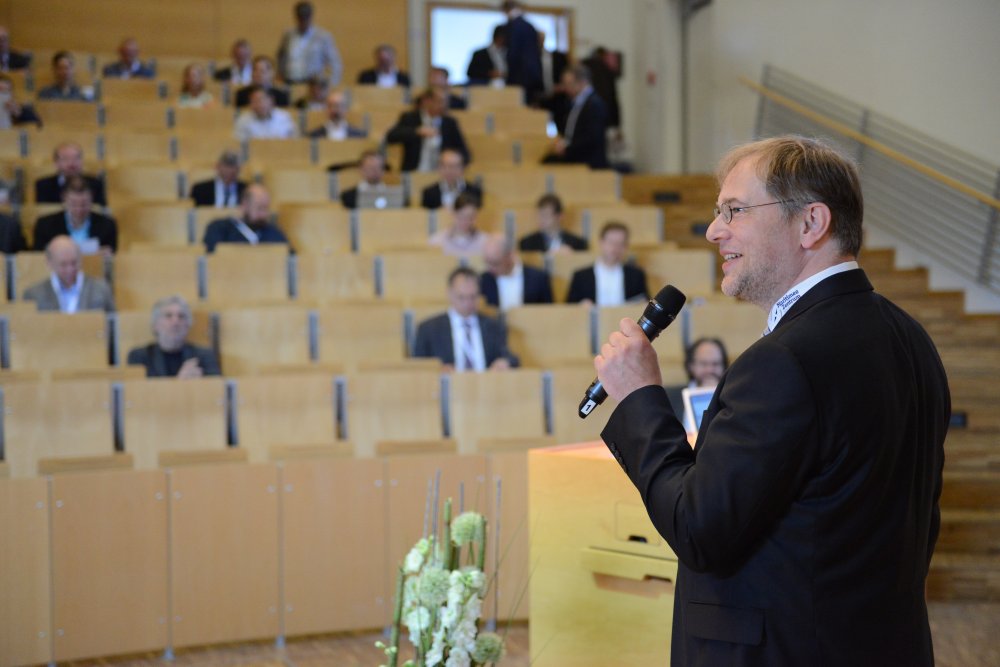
(438,80)
(92,231)
(226,189)
(307,51)
(68,159)
(705,360)
(315,97)
(9,59)
(610,281)
(461,239)
(551,237)
(336,126)
(240,71)
(253,227)
(489,64)
(507,283)
(11,236)
(193,93)
(171,355)
(262,77)
(371,164)
(13,112)
(64,75)
(584,140)
(385,74)
(263,121)
(67,289)
(425,132)
(451,166)
(128,65)
(462,338)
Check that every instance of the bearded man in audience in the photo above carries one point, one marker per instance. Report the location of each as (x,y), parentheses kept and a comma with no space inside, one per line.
(68,160)
(253,227)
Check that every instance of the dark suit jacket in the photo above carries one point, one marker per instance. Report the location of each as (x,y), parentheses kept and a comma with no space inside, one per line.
(94,295)
(537,287)
(480,67)
(225,231)
(102,228)
(224,74)
(434,340)
(589,145)
(18,60)
(524,56)
(352,132)
(151,356)
(280,95)
(431,195)
(405,132)
(805,517)
(537,241)
(48,190)
(116,70)
(349,198)
(369,77)
(203,193)
(11,236)
(583,285)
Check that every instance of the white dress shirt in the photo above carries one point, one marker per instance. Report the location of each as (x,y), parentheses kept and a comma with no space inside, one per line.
(278,125)
(336,131)
(430,147)
(386,79)
(69,297)
(782,305)
(510,288)
(467,342)
(610,284)
(226,196)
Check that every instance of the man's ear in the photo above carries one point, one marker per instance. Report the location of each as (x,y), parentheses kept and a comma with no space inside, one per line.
(815,225)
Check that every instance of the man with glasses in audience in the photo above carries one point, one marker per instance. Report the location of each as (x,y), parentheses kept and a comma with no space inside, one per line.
(68,160)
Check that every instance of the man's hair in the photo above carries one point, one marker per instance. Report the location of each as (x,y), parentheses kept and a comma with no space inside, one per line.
(508,5)
(229,158)
(800,170)
(453,151)
(442,70)
(172,300)
(613,226)
(75,185)
(371,152)
(66,144)
(242,41)
(260,89)
(500,31)
(261,57)
(303,10)
(689,353)
(425,94)
(385,47)
(550,201)
(466,199)
(580,73)
(59,55)
(462,271)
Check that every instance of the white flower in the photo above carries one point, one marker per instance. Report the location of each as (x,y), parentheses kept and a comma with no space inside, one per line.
(417,621)
(435,656)
(458,658)
(415,559)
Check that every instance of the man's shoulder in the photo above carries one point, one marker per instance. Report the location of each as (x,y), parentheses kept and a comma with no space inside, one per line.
(435,322)
(41,287)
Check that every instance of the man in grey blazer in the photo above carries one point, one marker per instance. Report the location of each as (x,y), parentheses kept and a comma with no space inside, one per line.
(171,355)
(67,289)
(463,339)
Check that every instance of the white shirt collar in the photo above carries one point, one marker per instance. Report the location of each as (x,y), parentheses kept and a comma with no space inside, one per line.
(784,304)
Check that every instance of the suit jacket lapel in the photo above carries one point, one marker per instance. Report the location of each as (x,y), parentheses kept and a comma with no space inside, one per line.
(836,285)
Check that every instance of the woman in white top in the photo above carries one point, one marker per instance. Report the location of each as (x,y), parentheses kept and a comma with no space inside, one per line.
(193,94)
(462,239)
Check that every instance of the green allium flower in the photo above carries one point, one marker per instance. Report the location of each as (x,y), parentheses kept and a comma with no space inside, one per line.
(468,527)
(432,586)
(489,648)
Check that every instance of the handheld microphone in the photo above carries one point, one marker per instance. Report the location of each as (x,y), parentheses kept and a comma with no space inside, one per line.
(659,313)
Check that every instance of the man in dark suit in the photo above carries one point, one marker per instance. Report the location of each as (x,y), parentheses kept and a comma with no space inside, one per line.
(263,77)
(171,355)
(92,231)
(507,283)
(253,227)
(554,64)
(336,126)
(584,139)
(524,55)
(11,60)
(226,189)
(438,80)
(68,159)
(489,63)
(463,339)
(551,237)
(705,360)
(609,281)
(128,66)
(371,164)
(385,74)
(11,236)
(68,289)
(805,516)
(451,166)
(240,71)
(425,132)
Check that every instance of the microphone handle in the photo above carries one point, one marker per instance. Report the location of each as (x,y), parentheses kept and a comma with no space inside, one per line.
(595,392)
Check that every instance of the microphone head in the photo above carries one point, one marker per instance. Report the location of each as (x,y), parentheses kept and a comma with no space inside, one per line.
(663,308)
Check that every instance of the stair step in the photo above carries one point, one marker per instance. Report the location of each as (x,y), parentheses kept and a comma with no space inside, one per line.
(970,531)
(964,577)
(971,458)
(971,491)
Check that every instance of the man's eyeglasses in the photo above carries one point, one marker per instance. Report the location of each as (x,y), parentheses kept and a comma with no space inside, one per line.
(727,211)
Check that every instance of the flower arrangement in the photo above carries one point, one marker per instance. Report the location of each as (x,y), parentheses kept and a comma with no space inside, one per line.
(439,599)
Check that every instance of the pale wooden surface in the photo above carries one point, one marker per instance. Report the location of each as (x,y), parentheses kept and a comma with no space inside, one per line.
(332,276)
(529,337)
(645,223)
(224,553)
(143,182)
(669,345)
(737,323)
(485,403)
(137,135)
(284,153)
(247,275)
(388,230)
(253,337)
(76,464)
(25,589)
(515,186)
(353,334)
(164,225)
(110,588)
(564,265)
(690,271)
(316,229)
(587,186)
(50,340)
(143,278)
(412,277)
(509,546)
(568,386)
(392,405)
(50,419)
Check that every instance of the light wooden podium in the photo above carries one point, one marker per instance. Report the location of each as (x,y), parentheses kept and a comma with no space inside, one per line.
(602,590)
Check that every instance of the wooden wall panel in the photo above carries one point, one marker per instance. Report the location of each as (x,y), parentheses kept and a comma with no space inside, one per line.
(203,28)
(25,620)
(110,587)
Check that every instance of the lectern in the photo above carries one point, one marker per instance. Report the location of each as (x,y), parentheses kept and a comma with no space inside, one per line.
(602,579)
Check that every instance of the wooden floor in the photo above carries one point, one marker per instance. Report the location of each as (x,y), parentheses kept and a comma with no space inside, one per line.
(965,635)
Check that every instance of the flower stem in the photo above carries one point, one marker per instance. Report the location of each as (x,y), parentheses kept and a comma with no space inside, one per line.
(397,616)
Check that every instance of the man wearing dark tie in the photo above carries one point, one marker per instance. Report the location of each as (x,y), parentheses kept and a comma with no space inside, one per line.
(226,189)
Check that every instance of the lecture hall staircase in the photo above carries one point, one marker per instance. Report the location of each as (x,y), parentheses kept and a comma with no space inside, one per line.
(966,562)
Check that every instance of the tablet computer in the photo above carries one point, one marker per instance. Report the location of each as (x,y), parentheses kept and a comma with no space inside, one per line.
(696,401)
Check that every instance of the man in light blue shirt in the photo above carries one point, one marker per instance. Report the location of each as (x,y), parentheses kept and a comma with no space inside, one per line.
(67,289)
